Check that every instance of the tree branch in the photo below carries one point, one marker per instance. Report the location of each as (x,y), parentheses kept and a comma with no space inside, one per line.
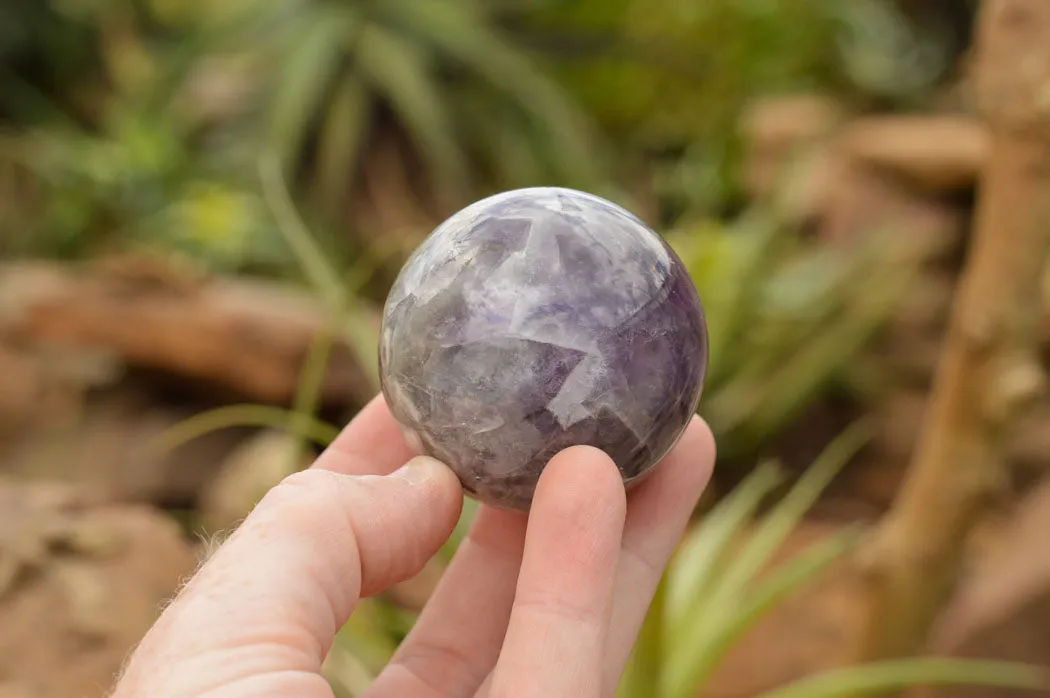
(988,370)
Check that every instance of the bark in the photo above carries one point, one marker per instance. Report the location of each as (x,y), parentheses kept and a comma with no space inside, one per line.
(988,369)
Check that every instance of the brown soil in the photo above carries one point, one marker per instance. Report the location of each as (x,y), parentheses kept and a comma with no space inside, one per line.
(81,580)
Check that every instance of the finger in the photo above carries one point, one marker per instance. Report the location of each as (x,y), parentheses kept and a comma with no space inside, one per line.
(448,651)
(273,596)
(658,512)
(556,635)
(371,444)
(457,639)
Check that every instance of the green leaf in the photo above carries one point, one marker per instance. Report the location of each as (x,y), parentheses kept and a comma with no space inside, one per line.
(885,53)
(498,139)
(802,375)
(879,677)
(347,675)
(712,254)
(643,675)
(348,314)
(762,240)
(816,310)
(466,36)
(778,525)
(367,634)
(304,78)
(304,426)
(704,551)
(699,641)
(459,534)
(360,330)
(310,386)
(784,582)
(342,139)
(403,72)
(23,99)
(308,253)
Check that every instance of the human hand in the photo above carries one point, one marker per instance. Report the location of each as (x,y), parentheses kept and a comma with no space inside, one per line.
(547,604)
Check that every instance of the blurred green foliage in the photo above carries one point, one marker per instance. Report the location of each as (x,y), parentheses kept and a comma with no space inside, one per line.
(144,117)
(786,316)
(669,78)
(104,153)
(141,123)
(476,108)
(173,102)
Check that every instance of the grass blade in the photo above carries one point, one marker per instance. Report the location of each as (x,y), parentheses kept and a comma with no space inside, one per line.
(304,80)
(347,313)
(691,667)
(308,391)
(643,677)
(367,635)
(307,252)
(803,568)
(810,369)
(764,242)
(779,524)
(400,71)
(894,675)
(305,426)
(342,140)
(360,329)
(462,529)
(706,547)
(464,35)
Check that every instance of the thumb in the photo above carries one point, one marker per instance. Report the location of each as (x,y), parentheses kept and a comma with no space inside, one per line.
(274,595)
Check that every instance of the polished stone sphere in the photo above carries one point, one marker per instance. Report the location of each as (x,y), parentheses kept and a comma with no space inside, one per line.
(535,320)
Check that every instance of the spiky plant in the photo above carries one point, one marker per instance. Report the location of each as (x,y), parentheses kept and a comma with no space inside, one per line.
(442,73)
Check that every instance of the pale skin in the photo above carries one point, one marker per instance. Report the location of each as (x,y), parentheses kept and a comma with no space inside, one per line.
(548,604)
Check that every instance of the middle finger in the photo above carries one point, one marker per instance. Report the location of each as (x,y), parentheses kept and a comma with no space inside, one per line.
(556,635)
(457,638)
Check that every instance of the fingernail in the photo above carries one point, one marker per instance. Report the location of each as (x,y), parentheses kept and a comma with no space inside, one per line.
(419,470)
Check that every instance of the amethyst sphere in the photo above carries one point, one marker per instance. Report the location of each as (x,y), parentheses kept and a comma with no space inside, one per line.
(535,320)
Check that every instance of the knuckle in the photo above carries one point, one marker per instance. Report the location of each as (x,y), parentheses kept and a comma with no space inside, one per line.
(561,608)
(304,500)
(304,488)
(441,666)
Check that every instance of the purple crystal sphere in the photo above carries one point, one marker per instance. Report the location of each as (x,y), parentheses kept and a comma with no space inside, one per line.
(535,320)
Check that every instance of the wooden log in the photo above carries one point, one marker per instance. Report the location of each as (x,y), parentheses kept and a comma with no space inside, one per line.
(245,336)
